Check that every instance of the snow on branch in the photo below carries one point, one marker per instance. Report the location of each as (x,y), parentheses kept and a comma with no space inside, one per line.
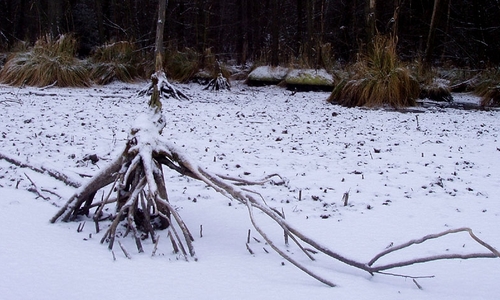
(141,201)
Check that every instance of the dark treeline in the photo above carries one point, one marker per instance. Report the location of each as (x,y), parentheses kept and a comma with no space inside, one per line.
(308,32)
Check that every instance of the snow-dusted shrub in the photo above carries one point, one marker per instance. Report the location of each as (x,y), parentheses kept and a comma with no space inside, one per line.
(488,87)
(50,61)
(182,65)
(437,89)
(116,61)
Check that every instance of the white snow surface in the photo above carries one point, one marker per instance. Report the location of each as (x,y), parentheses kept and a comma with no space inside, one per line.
(406,177)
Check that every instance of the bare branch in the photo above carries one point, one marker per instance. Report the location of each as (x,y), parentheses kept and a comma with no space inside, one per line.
(36,189)
(282,253)
(434,236)
(42,170)
(141,165)
(430,258)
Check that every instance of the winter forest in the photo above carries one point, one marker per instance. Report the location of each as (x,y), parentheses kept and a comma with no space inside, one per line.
(208,149)
(444,32)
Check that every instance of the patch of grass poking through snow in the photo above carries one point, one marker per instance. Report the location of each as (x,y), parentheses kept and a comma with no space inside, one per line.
(49,62)
(378,79)
(488,87)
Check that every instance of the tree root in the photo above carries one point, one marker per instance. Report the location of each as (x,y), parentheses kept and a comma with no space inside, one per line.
(160,83)
(141,196)
(218,83)
(42,170)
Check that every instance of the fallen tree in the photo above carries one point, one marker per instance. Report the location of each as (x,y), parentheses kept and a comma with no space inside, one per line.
(141,197)
(134,182)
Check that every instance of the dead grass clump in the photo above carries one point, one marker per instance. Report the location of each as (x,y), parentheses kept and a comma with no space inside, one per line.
(436,89)
(488,87)
(48,62)
(116,61)
(435,84)
(377,79)
(182,65)
(491,97)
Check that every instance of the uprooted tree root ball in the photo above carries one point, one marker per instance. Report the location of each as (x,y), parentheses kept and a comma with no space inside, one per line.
(140,195)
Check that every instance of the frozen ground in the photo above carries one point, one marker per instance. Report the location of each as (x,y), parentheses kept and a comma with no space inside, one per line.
(407,175)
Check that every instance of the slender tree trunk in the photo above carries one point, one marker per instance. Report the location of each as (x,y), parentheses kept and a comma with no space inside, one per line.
(481,44)
(351,35)
(429,48)
(395,17)
(54,12)
(200,26)
(300,28)
(18,15)
(100,20)
(310,31)
(242,32)
(206,26)
(371,19)
(275,32)
(447,29)
(181,27)
(155,102)
(319,42)
(160,26)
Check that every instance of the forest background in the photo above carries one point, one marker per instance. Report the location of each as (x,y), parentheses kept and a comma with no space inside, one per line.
(308,33)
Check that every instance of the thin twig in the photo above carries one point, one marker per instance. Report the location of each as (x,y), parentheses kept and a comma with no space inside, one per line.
(124,251)
(42,170)
(285,233)
(418,285)
(155,246)
(406,276)
(172,241)
(248,248)
(187,235)
(36,190)
(283,254)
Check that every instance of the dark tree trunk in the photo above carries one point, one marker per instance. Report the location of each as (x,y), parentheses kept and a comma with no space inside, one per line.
(160,26)
(54,14)
(310,31)
(395,19)
(371,20)
(100,20)
(300,27)
(242,32)
(275,31)
(429,48)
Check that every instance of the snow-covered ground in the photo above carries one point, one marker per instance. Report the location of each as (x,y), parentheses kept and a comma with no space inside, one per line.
(407,175)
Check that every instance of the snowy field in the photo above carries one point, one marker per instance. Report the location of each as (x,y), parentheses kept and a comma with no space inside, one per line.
(407,175)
